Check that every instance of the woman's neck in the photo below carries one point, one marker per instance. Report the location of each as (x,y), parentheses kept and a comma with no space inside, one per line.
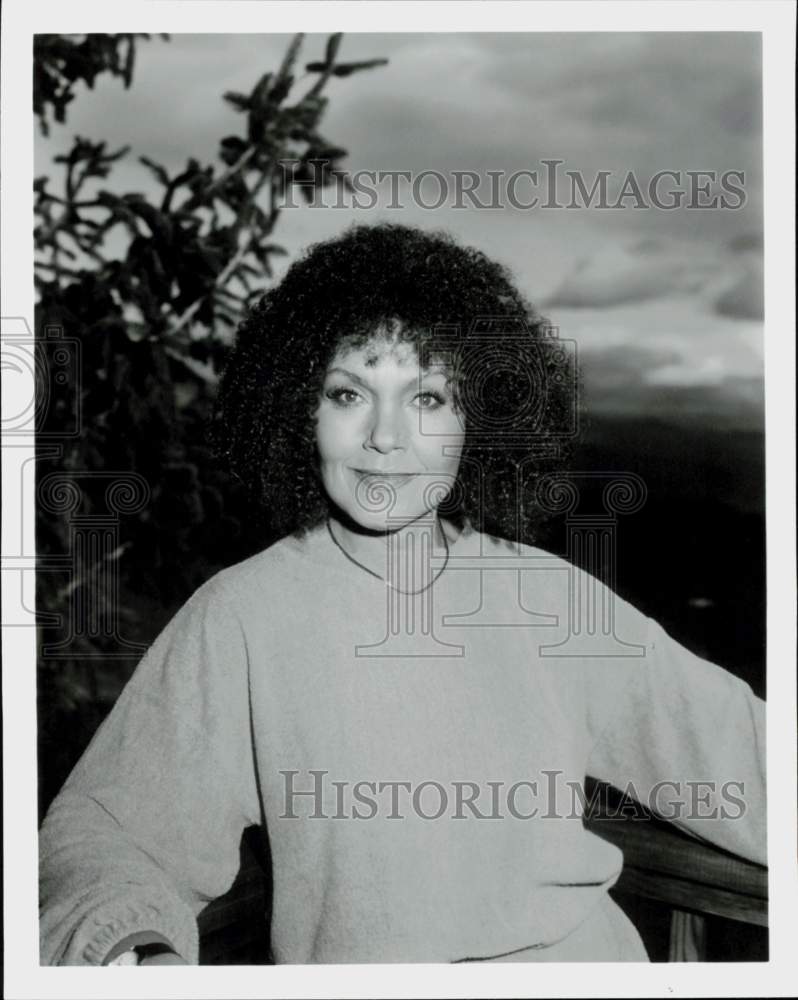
(408,558)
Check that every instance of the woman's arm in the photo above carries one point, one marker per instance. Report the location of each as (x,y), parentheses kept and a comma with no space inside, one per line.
(147,828)
(688,740)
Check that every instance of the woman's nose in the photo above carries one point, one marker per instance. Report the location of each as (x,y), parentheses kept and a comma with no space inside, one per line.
(385,432)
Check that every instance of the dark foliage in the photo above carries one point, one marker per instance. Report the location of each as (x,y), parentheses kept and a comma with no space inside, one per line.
(153,326)
(60,62)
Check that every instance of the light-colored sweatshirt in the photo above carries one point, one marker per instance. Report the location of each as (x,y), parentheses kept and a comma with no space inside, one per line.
(443,740)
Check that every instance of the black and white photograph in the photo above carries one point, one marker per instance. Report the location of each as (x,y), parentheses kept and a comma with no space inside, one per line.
(399,499)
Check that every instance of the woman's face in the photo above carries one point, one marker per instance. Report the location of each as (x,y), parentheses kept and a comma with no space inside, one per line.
(389,439)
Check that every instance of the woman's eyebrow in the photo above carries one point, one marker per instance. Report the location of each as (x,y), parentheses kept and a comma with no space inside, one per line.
(345,371)
(413,380)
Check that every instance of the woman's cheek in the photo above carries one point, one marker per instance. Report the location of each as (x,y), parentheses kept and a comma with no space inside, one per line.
(443,422)
(333,433)
(439,436)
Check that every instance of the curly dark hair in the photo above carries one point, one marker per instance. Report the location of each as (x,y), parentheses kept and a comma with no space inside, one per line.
(508,372)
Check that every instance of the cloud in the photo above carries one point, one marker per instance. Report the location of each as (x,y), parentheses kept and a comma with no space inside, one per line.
(730,404)
(615,101)
(729,282)
(646,348)
(745,299)
(740,111)
(647,270)
(648,83)
(620,366)
(665,383)
(751,242)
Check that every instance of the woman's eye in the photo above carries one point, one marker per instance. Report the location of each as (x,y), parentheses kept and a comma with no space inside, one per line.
(342,396)
(430,400)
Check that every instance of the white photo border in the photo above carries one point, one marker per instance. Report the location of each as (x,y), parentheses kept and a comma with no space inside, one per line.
(24,978)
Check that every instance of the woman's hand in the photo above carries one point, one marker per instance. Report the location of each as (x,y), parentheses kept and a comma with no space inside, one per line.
(154,950)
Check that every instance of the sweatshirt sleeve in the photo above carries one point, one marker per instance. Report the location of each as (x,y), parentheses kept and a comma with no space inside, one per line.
(146,829)
(687,739)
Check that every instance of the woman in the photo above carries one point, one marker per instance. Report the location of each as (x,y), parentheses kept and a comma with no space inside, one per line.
(391,691)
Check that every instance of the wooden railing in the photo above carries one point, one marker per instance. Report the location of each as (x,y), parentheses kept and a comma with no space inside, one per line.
(696,880)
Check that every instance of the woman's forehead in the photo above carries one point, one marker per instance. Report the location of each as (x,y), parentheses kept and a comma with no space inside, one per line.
(381,350)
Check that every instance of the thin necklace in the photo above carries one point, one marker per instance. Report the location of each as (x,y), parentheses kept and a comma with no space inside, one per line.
(378,576)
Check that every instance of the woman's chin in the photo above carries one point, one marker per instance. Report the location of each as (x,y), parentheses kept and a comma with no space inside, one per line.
(384,523)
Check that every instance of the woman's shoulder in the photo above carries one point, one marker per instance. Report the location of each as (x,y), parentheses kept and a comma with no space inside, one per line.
(281,568)
(560,586)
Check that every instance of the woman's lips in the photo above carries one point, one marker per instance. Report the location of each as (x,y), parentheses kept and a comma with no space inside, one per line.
(395,479)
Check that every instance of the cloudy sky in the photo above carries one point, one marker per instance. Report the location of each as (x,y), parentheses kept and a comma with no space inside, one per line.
(662,304)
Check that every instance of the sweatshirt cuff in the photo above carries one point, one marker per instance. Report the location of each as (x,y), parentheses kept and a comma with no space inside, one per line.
(109,929)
